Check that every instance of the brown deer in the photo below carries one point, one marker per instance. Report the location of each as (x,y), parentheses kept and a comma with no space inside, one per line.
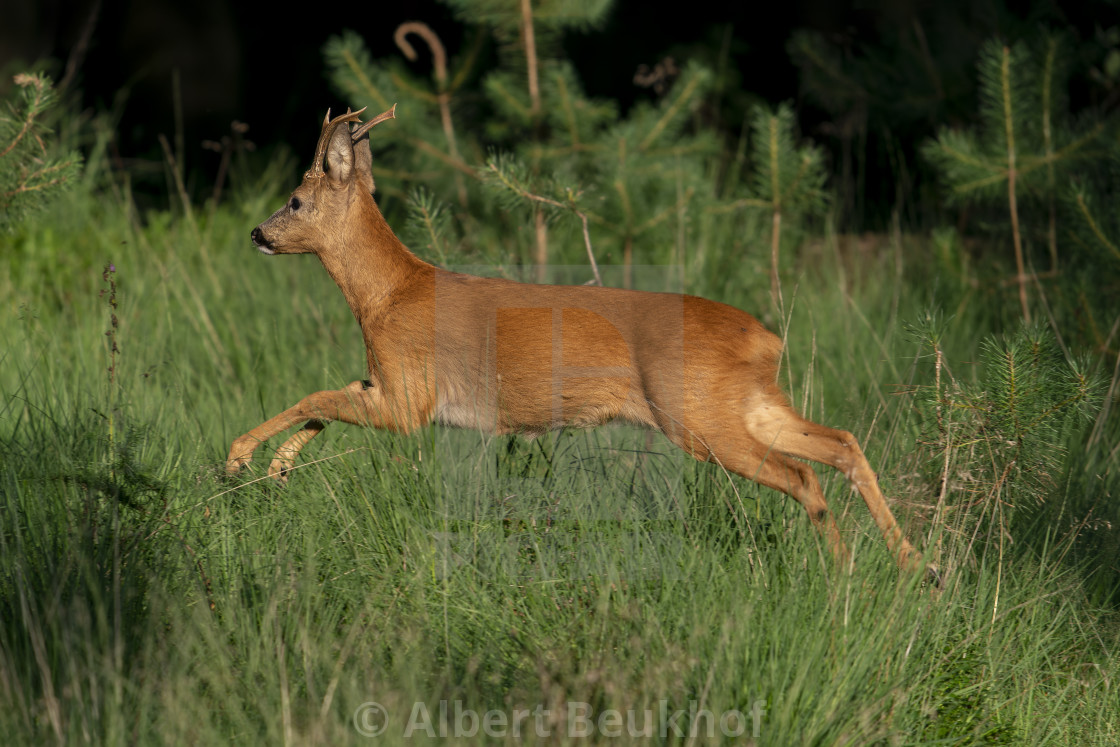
(508,357)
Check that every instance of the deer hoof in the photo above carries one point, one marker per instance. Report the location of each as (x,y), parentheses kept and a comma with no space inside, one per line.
(278,470)
(236,464)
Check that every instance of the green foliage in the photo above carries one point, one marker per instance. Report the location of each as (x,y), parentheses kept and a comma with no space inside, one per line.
(964,694)
(786,180)
(1024,146)
(514,186)
(1096,228)
(785,176)
(999,445)
(1030,399)
(32,170)
(1092,228)
(1024,126)
(429,224)
(897,80)
(627,178)
(552,16)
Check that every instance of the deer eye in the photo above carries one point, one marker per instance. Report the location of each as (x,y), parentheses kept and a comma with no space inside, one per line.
(295,203)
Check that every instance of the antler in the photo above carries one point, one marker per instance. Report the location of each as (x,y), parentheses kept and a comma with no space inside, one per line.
(329,126)
(356,135)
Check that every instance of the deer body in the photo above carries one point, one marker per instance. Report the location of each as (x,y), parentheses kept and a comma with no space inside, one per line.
(507,357)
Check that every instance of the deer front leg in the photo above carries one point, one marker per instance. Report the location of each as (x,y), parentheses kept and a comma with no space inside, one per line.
(359,403)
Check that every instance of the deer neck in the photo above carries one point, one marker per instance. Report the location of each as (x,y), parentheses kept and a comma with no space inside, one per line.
(369,263)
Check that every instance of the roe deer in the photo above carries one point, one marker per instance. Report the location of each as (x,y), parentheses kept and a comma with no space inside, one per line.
(509,357)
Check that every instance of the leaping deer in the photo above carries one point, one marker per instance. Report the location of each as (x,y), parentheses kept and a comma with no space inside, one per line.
(508,357)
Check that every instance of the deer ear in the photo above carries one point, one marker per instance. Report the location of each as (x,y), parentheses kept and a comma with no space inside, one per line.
(363,164)
(340,156)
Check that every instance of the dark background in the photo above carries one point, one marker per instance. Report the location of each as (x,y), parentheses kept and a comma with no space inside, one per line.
(263,64)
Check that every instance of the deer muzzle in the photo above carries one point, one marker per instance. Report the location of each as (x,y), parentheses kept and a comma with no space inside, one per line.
(261,242)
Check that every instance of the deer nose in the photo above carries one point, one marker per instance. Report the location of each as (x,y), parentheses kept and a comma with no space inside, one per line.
(257,236)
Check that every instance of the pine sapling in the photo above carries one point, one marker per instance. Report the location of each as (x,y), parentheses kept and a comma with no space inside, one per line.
(787,180)
(31,170)
(1021,147)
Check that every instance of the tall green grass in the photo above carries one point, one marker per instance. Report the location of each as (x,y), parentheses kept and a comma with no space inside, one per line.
(144,598)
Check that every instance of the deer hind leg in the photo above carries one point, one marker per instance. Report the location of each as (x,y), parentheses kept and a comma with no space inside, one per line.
(358,403)
(285,457)
(738,452)
(758,462)
(798,437)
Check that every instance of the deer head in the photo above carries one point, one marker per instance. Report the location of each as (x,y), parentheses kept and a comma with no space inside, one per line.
(340,177)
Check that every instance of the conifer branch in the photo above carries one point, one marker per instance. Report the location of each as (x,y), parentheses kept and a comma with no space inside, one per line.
(29,175)
(1094,226)
(1048,146)
(518,189)
(752,202)
(1012,198)
(430,149)
(1020,145)
(671,112)
(363,79)
(34,106)
(568,109)
(665,214)
(551,125)
(23,188)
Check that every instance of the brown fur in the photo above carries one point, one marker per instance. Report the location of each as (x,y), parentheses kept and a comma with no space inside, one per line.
(507,357)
